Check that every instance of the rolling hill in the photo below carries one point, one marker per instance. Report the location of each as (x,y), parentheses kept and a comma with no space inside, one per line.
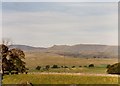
(27,48)
(79,50)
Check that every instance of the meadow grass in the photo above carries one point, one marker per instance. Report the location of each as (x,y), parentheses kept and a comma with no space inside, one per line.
(34,59)
(58,79)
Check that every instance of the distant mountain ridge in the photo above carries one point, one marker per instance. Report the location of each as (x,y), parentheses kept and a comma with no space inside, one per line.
(84,47)
(78,50)
(27,48)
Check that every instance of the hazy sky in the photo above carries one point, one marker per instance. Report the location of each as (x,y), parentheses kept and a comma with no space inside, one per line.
(48,23)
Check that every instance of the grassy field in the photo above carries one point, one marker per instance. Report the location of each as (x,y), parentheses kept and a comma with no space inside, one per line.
(34,59)
(59,79)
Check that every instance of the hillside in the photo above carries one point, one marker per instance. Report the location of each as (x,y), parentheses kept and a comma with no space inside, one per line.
(84,47)
(85,50)
(27,48)
(80,50)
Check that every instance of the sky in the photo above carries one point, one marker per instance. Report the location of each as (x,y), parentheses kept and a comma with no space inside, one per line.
(60,0)
(45,24)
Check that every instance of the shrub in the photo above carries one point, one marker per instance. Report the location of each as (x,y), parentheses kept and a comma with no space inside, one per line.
(55,66)
(73,66)
(94,56)
(62,66)
(80,66)
(47,67)
(91,65)
(38,67)
(114,69)
(65,67)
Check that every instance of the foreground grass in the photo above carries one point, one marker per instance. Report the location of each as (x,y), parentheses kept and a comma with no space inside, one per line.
(58,79)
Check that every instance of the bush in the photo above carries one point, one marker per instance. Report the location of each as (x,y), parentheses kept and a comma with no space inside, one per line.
(73,66)
(47,67)
(38,67)
(55,66)
(65,67)
(62,66)
(114,69)
(91,65)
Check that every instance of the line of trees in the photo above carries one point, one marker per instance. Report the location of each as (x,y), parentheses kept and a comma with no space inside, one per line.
(47,67)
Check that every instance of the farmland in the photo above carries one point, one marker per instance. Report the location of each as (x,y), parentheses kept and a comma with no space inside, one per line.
(59,79)
(69,69)
(80,74)
(34,59)
(65,42)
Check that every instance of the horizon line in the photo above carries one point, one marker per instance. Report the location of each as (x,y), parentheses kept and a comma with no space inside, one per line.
(65,45)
